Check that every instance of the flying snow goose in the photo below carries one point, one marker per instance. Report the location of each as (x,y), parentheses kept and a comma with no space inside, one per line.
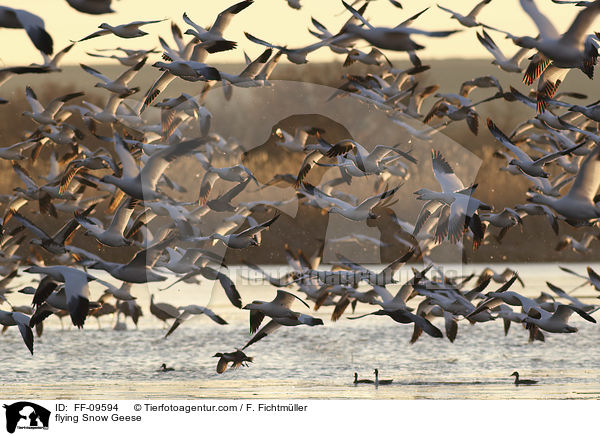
(21,320)
(33,25)
(55,244)
(246,238)
(374,57)
(573,301)
(363,210)
(569,50)
(118,85)
(511,65)
(497,277)
(193,309)
(556,322)
(523,161)
(93,7)
(468,20)
(218,28)
(247,78)
(122,293)
(46,115)
(388,38)
(580,246)
(223,202)
(462,205)
(113,235)
(191,71)
(76,289)
(532,209)
(505,219)
(297,142)
(511,298)
(141,184)
(129,30)
(578,204)
(51,63)
(279,309)
(130,58)
(403,316)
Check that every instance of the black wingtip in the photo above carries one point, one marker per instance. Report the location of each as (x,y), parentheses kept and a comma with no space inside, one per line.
(42,40)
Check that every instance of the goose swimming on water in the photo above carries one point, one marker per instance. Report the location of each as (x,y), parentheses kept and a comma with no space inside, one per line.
(165,368)
(363,380)
(518,381)
(381,382)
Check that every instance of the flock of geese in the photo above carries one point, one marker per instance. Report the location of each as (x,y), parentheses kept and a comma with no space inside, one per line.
(112,193)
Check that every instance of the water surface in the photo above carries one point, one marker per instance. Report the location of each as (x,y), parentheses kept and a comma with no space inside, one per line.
(301,362)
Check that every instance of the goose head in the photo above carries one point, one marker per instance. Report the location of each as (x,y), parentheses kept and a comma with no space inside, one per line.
(252,305)
(526,42)
(425,194)
(192,32)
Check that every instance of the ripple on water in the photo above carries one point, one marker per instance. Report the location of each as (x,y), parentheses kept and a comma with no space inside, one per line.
(302,362)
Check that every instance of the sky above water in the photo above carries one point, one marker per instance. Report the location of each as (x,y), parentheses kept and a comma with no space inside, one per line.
(271,20)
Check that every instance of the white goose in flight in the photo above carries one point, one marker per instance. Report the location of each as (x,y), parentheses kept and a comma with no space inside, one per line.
(460,202)
(556,322)
(213,42)
(113,235)
(76,289)
(580,246)
(141,183)
(468,20)
(572,49)
(92,7)
(187,312)
(367,162)
(218,28)
(46,115)
(523,161)
(578,204)
(33,25)
(129,30)
(243,239)
(511,65)
(359,212)
(297,142)
(279,310)
(387,38)
(119,85)
(130,58)
(21,320)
